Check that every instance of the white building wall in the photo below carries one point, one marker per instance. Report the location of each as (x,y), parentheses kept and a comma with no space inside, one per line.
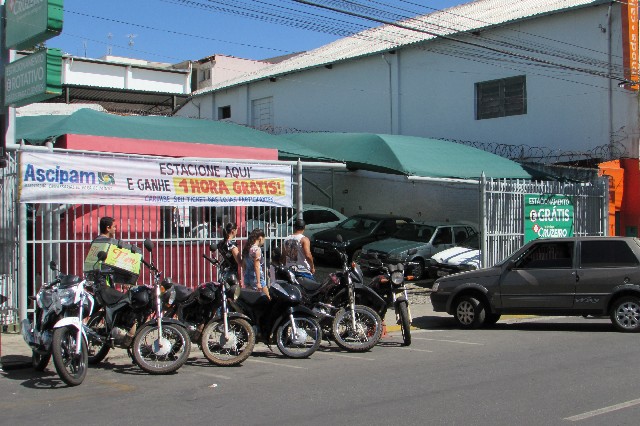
(420,200)
(433,94)
(77,71)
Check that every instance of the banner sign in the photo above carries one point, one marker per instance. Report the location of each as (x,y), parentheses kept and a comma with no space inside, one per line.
(34,78)
(547,216)
(30,22)
(88,179)
(630,42)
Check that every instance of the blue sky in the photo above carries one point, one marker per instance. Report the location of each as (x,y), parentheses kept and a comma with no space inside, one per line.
(177,30)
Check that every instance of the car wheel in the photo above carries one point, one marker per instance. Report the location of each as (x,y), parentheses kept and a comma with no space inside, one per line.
(625,314)
(419,270)
(356,255)
(469,312)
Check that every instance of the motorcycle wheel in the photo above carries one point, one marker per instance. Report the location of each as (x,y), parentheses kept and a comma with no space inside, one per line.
(71,368)
(306,342)
(39,361)
(231,351)
(98,351)
(367,333)
(405,324)
(164,355)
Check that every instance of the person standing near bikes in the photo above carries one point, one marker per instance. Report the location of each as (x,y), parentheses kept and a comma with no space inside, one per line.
(297,250)
(253,262)
(229,248)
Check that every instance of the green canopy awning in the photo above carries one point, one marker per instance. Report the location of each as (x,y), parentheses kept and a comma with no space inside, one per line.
(409,155)
(37,129)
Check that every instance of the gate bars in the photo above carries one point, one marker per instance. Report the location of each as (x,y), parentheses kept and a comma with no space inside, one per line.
(502,212)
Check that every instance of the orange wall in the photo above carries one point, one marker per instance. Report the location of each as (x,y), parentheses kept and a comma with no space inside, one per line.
(624,195)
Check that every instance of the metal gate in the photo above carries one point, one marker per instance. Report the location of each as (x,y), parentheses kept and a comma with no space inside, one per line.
(63,233)
(502,212)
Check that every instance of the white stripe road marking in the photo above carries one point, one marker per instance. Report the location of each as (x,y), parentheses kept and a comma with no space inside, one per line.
(277,363)
(604,410)
(414,349)
(215,376)
(345,356)
(449,341)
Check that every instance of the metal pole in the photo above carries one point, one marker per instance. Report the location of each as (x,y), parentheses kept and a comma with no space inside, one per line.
(483,228)
(22,265)
(299,191)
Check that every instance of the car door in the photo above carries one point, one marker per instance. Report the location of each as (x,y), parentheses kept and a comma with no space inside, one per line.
(543,277)
(442,239)
(604,265)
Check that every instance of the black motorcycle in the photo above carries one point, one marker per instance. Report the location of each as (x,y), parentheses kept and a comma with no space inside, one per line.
(157,345)
(226,338)
(348,310)
(282,319)
(390,285)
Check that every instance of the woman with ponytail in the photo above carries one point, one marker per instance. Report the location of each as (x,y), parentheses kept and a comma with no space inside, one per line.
(253,262)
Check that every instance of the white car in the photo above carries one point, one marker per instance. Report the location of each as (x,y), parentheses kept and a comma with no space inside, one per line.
(461,258)
(278,222)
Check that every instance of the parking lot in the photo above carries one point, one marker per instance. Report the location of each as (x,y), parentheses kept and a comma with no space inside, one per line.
(531,370)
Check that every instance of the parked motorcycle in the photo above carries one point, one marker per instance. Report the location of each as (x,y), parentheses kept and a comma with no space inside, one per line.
(282,319)
(390,285)
(157,345)
(226,338)
(344,305)
(57,328)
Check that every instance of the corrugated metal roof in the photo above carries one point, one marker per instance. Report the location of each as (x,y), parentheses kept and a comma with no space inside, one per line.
(467,17)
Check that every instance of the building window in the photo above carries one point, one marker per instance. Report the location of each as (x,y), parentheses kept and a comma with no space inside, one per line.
(501,98)
(224,112)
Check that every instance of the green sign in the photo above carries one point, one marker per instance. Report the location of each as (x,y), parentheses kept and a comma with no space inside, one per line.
(547,216)
(30,22)
(33,78)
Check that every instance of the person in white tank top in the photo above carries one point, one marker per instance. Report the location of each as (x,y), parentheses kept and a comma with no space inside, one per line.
(297,248)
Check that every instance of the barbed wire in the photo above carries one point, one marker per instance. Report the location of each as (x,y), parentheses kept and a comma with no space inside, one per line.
(517,152)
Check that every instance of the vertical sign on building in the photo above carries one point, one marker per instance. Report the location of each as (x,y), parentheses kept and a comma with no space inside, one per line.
(630,41)
(34,78)
(547,216)
(29,22)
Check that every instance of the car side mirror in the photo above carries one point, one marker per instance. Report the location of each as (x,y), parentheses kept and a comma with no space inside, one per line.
(510,265)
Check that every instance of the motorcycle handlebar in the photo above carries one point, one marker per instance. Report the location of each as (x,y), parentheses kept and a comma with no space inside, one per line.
(149,265)
(214,261)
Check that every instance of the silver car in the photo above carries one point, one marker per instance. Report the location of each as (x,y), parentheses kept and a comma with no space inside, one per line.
(413,245)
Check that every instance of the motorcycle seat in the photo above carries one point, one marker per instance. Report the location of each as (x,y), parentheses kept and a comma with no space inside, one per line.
(308,284)
(111,296)
(182,293)
(253,297)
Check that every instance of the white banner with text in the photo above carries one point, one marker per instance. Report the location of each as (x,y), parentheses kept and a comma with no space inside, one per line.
(91,179)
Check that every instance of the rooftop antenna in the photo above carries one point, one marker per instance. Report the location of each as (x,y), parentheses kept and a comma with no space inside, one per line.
(131,37)
(84,46)
(109,47)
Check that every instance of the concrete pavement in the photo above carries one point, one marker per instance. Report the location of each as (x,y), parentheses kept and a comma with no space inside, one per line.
(15,353)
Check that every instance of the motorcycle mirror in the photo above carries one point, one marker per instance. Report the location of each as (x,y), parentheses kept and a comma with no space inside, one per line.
(148,245)
(102,255)
(213,248)
(339,238)
(167,283)
(53,265)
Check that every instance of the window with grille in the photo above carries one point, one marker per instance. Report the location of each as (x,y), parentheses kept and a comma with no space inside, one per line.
(501,98)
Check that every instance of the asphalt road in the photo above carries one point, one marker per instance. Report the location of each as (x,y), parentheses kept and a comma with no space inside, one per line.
(532,371)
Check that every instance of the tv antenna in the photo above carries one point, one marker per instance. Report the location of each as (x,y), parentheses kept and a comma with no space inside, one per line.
(109,47)
(131,37)
(84,46)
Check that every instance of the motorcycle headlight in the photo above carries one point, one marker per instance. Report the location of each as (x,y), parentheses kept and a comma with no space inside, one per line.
(395,258)
(397,277)
(67,296)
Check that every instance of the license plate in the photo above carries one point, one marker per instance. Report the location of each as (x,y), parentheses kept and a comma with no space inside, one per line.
(442,273)
(318,250)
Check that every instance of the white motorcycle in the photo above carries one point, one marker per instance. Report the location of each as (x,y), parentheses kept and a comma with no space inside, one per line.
(57,328)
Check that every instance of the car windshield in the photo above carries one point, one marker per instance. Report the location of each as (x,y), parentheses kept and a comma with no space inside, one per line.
(415,232)
(358,223)
(277,214)
(473,242)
